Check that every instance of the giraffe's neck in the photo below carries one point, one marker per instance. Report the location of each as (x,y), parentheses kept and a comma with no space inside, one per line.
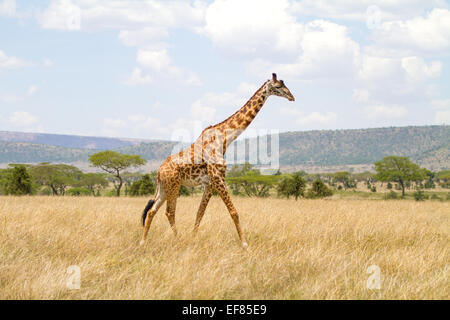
(242,118)
(221,135)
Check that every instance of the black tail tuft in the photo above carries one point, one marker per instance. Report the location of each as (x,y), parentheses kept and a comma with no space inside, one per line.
(147,208)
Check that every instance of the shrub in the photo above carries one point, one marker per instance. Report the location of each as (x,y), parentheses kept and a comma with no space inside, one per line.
(111,193)
(46,191)
(429,184)
(142,187)
(78,192)
(392,195)
(434,196)
(419,195)
(318,190)
(293,185)
(19,182)
(373,189)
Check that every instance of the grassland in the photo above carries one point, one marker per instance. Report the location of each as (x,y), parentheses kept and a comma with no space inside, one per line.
(309,249)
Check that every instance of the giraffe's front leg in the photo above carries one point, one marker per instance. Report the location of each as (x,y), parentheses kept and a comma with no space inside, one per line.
(218,183)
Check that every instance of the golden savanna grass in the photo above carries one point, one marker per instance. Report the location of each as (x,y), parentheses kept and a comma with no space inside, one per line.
(309,249)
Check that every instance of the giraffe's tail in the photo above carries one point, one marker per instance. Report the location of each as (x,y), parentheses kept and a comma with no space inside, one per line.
(146,210)
(151,202)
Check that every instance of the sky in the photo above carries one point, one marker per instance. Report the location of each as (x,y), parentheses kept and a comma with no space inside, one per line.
(166,69)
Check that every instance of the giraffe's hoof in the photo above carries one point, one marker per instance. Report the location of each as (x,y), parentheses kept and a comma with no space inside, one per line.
(244,245)
(141,243)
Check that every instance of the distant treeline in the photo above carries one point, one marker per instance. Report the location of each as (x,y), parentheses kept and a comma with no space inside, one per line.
(399,173)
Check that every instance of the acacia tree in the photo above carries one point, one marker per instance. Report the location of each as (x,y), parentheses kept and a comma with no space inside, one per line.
(93,181)
(398,169)
(114,163)
(254,184)
(56,176)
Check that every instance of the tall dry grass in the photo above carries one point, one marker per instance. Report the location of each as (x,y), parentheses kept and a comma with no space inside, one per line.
(309,249)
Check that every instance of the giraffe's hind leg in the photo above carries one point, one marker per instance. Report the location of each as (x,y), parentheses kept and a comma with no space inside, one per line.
(147,219)
(201,210)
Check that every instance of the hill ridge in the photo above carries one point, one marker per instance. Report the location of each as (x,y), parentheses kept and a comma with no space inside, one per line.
(427,145)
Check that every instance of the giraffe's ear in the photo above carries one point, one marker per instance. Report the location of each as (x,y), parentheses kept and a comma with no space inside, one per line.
(274,77)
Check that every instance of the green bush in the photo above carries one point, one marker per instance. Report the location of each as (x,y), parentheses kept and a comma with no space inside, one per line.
(111,193)
(391,195)
(419,195)
(293,185)
(142,187)
(318,190)
(434,196)
(19,182)
(46,191)
(78,192)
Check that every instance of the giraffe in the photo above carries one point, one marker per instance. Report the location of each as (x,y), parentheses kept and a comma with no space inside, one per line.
(203,163)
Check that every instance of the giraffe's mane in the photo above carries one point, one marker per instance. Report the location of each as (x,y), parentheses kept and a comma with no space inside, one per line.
(217,124)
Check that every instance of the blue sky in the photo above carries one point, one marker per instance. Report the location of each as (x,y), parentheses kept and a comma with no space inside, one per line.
(165,69)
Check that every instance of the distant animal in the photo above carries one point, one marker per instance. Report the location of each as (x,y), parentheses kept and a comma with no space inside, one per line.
(203,163)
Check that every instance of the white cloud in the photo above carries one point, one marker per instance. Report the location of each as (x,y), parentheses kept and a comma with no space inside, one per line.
(114,123)
(138,78)
(142,125)
(136,126)
(326,52)
(160,63)
(252,27)
(157,60)
(10,62)
(389,79)
(317,118)
(10,97)
(442,117)
(47,63)
(440,104)
(442,114)
(122,15)
(14,97)
(310,119)
(419,34)
(24,121)
(147,37)
(361,95)
(418,71)
(61,15)
(32,90)
(356,10)
(384,112)
(8,8)
(205,108)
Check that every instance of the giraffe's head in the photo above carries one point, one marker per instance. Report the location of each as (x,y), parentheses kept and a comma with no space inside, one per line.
(276,87)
